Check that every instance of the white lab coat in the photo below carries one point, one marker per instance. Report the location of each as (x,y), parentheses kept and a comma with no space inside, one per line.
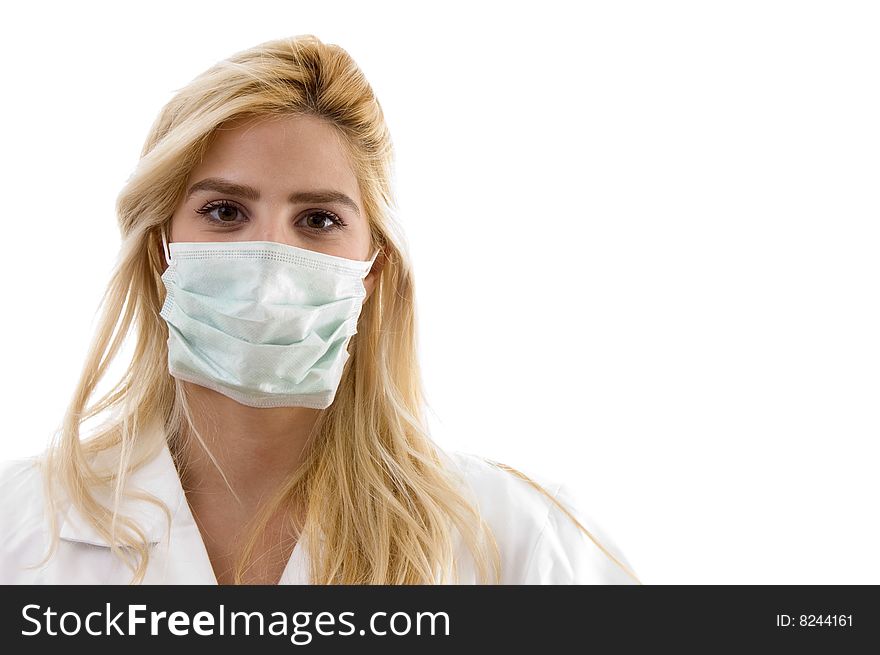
(538,543)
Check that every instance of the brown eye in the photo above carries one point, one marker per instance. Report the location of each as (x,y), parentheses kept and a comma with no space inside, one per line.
(227,213)
(323,221)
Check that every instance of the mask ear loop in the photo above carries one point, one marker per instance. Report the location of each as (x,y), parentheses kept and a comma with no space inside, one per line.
(165,246)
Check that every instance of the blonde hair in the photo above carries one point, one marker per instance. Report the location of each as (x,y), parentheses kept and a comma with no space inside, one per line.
(381,498)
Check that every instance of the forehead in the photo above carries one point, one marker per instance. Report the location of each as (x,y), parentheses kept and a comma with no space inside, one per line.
(288,152)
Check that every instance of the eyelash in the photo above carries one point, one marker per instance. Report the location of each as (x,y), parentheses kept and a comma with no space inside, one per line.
(337,222)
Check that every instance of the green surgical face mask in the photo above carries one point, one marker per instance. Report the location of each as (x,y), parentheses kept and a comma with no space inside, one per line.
(263,323)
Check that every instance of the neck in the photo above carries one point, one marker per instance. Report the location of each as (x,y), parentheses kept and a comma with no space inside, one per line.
(257,448)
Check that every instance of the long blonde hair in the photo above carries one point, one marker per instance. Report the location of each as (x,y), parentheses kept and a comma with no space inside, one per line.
(382,500)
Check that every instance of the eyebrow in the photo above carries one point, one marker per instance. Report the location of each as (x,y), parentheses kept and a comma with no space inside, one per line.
(249,192)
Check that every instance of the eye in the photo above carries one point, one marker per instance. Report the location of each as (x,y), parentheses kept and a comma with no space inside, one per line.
(227,212)
(317,221)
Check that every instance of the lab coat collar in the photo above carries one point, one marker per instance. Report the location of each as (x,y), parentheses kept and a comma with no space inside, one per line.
(158,477)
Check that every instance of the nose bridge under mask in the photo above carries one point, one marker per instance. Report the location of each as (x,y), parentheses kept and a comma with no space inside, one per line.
(167,252)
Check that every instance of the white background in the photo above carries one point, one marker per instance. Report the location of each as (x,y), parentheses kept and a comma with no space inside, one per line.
(645,237)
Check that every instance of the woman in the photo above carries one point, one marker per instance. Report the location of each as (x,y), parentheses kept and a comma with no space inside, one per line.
(269,426)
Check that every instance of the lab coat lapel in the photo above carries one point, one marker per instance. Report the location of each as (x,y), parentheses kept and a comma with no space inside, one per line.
(157,477)
(178,556)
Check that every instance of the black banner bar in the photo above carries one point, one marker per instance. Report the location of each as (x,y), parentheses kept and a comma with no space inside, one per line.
(428,619)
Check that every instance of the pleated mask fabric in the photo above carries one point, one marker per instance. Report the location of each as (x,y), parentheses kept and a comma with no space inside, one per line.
(264,323)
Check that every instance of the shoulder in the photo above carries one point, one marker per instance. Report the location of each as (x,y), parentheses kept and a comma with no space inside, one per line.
(22,516)
(540,542)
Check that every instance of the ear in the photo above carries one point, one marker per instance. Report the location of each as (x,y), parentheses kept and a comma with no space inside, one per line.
(163,263)
(373,275)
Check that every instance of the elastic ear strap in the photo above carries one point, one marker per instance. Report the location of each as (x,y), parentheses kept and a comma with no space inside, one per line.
(373,258)
(165,246)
